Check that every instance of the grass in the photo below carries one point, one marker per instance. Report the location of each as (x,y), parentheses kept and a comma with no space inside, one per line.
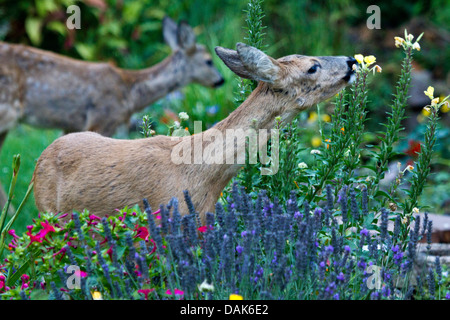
(29,143)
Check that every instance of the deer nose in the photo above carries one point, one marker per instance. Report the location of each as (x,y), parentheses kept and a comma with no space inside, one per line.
(219,83)
(351,62)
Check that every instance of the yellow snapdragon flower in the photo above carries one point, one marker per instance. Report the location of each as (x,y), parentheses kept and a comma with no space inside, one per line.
(359,58)
(369,60)
(430,93)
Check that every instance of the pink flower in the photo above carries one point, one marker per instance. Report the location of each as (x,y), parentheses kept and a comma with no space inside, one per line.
(63,215)
(12,233)
(176,291)
(81,273)
(202,229)
(47,227)
(93,220)
(109,252)
(154,246)
(146,292)
(62,252)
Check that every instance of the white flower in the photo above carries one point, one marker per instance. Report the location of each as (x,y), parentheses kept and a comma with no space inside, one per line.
(415,210)
(183,116)
(176,124)
(302,165)
(410,168)
(315,151)
(205,286)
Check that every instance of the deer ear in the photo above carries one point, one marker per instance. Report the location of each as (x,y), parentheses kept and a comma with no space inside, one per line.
(250,63)
(186,36)
(233,61)
(170,32)
(259,64)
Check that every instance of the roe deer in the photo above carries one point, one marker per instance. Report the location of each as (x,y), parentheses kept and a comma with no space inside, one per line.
(49,90)
(45,89)
(86,170)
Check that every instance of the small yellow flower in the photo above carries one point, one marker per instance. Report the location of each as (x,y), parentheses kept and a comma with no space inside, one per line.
(316,141)
(399,41)
(415,210)
(378,68)
(430,93)
(445,107)
(343,130)
(434,101)
(426,111)
(326,118)
(369,60)
(312,117)
(416,46)
(96,295)
(234,296)
(359,58)
(409,168)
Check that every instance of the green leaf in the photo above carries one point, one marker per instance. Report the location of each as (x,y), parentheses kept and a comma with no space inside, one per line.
(39,294)
(86,51)
(383,194)
(58,27)
(33,27)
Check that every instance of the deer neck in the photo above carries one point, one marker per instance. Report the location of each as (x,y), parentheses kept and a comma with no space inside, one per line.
(257,113)
(260,110)
(151,84)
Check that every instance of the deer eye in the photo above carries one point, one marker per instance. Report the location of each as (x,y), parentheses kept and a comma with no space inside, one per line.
(313,69)
(209,62)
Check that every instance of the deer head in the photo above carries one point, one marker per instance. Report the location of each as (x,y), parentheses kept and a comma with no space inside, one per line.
(303,80)
(196,60)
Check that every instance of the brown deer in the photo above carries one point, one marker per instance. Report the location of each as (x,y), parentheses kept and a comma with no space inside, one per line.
(44,89)
(86,170)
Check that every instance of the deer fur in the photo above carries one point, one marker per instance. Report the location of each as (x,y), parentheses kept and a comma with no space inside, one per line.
(49,90)
(87,170)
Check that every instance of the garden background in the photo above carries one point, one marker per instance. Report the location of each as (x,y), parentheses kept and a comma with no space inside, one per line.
(128,34)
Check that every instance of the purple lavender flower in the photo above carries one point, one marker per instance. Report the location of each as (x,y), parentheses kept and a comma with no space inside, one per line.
(239,249)
(329,249)
(364,232)
(341,277)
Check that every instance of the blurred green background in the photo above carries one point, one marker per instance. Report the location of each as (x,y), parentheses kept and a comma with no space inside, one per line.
(127,33)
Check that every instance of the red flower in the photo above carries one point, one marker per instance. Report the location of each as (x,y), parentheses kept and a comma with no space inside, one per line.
(142,233)
(146,292)
(204,228)
(413,149)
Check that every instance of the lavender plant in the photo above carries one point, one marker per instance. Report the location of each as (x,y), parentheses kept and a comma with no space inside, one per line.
(253,248)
